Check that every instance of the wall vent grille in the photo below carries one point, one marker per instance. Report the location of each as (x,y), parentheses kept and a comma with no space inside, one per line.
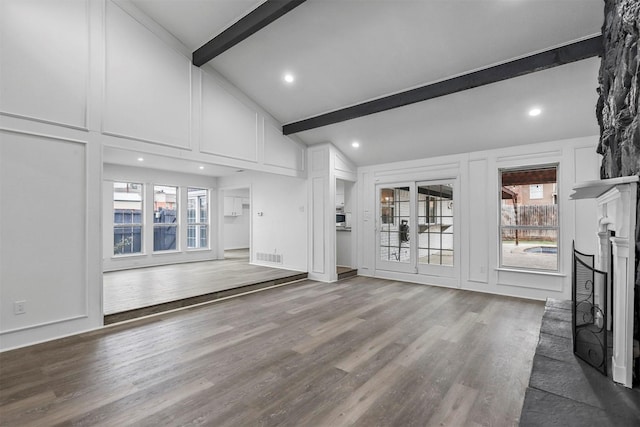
(272,258)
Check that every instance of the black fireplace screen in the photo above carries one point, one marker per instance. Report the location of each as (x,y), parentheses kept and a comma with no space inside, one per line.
(589,311)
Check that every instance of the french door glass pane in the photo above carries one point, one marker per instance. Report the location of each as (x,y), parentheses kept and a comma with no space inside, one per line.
(435,224)
(395,216)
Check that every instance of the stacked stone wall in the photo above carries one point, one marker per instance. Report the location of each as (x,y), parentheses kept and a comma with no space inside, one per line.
(618,108)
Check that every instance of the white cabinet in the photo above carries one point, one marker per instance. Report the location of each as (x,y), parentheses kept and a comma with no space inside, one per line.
(343,248)
(232,206)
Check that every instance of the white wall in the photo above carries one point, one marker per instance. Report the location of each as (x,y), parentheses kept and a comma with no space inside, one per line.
(149,178)
(77,76)
(327,165)
(282,227)
(477,202)
(157,102)
(237,228)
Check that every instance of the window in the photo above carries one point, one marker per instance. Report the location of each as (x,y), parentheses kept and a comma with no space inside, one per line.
(127,218)
(529,218)
(197,218)
(165,221)
(536,191)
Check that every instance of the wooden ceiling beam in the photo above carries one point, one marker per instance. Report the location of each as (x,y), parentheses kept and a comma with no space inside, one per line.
(576,51)
(257,19)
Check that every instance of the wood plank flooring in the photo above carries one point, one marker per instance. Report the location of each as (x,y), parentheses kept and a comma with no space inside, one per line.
(360,352)
(144,287)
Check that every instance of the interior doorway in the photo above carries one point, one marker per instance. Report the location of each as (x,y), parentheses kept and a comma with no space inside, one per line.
(345,201)
(236,220)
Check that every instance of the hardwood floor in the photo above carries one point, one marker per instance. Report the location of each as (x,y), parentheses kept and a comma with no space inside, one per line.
(150,286)
(357,352)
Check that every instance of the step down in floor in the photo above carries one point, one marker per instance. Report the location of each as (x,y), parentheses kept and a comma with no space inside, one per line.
(199,299)
(345,272)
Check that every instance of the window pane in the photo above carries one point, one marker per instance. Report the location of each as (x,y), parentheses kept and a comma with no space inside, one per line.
(203,236)
(197,218)
(164,237)
(204,209)
(529,218)
(539,252)
(127,240)
(191,211)
(165,208)
(191,236)
(435,224)
(127,209)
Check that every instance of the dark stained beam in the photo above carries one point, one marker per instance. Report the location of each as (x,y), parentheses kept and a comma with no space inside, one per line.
(257,19)
(537,62)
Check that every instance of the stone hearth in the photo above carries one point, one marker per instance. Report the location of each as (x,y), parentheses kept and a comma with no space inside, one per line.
(565,391)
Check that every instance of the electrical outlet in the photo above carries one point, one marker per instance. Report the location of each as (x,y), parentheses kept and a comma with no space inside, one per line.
(482,269)
(19,307)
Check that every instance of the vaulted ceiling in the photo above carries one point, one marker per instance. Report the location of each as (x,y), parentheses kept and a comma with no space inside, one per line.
(345,52)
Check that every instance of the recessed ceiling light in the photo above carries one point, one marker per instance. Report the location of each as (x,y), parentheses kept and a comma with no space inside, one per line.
(201,167)
(289,78)
(535,112)
(355,144)
(140,159)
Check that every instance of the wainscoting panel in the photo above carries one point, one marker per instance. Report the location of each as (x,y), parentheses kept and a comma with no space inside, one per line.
(147,84)
(281,151)
(49,62)
(43,252)
(478,230)
(229,127)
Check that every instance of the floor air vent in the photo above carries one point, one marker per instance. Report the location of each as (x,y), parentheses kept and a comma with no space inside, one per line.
(273,258)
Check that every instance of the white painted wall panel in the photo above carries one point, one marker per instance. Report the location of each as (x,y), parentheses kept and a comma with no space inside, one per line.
(282,229)
(43,251)
(44,60)
(343,165)
(478,198)
(280,150)
(229,127)
(147,84)
(319,229)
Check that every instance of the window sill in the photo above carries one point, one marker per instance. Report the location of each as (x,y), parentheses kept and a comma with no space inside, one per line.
(171,252)
(127,256)
(198,250)
(538,272)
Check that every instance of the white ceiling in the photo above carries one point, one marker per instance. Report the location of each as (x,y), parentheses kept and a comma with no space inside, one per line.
(343,52)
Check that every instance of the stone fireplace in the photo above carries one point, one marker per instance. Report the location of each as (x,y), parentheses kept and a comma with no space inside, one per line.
(616,218)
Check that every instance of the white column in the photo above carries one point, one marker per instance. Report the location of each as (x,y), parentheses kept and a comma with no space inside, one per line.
(623,302)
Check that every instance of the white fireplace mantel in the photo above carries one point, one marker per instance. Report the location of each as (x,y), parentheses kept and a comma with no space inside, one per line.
(616,200)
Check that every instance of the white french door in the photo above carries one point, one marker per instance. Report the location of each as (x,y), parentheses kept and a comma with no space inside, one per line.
(415,227)
(435,228)
(394,222)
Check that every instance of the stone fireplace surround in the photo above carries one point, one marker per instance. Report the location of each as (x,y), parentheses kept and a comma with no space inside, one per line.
(616,208)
